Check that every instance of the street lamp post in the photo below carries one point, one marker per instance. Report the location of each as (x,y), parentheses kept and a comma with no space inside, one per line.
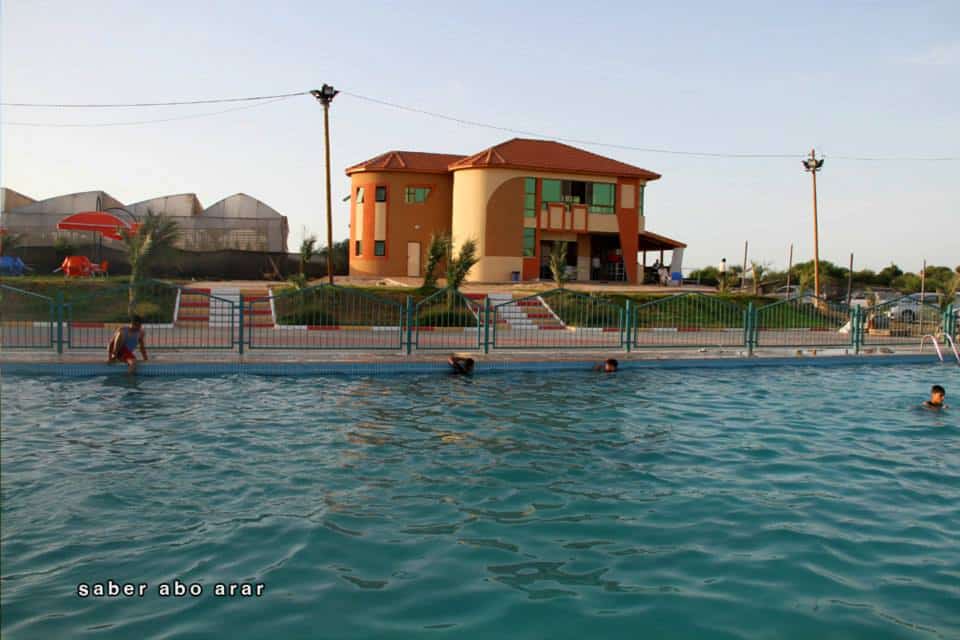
(325,96)
(723,275)
(813,165)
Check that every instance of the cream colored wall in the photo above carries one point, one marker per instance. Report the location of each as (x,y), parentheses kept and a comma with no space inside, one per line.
(472,189)
(380,221)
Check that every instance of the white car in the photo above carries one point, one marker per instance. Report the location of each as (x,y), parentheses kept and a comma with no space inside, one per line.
(912,309)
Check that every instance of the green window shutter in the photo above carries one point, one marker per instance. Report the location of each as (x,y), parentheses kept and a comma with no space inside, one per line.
(552,191)
(640,199)
(529,242)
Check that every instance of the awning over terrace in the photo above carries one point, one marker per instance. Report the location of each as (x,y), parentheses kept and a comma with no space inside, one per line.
(649,241)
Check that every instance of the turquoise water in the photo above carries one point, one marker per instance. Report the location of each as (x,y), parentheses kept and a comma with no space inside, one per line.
(741,503)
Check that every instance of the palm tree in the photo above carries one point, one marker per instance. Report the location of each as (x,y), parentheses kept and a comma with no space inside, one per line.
(558,263)
(153,239)
(459,266)
(438,248)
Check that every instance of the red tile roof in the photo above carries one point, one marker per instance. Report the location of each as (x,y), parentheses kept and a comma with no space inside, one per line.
(412,161)
(546,155)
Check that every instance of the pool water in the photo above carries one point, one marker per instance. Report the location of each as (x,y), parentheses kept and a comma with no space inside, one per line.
(731,503)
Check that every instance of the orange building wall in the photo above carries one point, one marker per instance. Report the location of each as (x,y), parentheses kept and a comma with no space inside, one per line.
(504,232)
(402,219)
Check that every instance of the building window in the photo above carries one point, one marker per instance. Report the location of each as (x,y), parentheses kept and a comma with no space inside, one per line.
(356,248)
(379,248)
(602,197)
(381,194)
(529,242)
(529,197)
(640,200)
(552,191)
(359,195)
(416,195)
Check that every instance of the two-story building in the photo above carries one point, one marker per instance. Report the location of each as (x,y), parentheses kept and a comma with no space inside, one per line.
(515,200)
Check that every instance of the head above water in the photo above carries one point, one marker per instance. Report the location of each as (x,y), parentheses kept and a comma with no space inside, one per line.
(610,365)
(937,395)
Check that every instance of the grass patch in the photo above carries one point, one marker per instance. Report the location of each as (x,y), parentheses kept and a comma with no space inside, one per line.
(88,300)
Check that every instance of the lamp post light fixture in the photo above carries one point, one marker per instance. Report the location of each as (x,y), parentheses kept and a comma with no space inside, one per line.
(723,274)
(812,165)
(325,96)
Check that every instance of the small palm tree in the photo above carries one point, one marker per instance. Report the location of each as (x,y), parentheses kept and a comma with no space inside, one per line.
(558,263)
(153,239)
(307,250)
(437,249)
(459,266)
(10,242)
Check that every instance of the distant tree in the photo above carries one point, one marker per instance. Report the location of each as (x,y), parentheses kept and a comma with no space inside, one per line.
(558,263)
(759,269)
(307,249)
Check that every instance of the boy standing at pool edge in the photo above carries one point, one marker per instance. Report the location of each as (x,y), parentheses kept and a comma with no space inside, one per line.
(125,340)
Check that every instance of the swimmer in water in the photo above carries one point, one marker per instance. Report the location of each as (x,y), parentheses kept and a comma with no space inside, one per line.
(125,341)
(461,366)
(937,397)
(607,366)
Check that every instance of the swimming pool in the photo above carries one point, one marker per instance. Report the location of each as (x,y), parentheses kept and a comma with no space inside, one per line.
(680,503)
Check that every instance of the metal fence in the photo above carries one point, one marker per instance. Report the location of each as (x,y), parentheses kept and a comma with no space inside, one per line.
(343,318)
(689,320)
(174,317)
(445,320)
(322,317)
(558,319)
(28,320)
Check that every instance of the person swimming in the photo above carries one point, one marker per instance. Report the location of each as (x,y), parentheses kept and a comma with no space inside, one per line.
(125,341)
(461,366)
(937,397)
(609,365)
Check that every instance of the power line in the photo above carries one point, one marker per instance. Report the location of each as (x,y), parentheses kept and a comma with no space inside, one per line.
(701,154)
(41,105)
(268,99)
(139,122)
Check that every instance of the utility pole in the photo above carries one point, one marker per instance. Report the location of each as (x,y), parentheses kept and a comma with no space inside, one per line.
(325,96)
(813,165)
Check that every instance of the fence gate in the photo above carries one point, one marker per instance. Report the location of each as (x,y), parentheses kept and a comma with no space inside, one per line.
(448,320)
(901,321)
(27,319)
(805,321)
(174,317)
(323,317)
(688,320)
(558,319)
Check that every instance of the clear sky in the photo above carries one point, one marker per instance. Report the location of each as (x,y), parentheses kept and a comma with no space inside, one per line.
(870,79)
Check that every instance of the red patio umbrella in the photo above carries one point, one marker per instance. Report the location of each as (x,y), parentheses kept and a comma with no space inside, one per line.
(106,224)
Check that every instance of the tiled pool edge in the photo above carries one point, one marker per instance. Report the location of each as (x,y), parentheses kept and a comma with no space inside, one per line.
(152,369)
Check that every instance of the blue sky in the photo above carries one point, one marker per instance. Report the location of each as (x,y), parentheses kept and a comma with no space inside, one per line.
(864,79)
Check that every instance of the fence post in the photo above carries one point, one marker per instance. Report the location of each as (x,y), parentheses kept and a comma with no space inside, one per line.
(59,321)
(855,326)
(486,324)
(948,321)
(240,330)
(409,324)
(628,323)
(749,324)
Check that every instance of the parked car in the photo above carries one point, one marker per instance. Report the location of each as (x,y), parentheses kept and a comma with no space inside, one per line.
(911,308)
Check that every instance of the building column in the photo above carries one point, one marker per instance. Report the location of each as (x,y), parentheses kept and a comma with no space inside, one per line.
(628,223)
